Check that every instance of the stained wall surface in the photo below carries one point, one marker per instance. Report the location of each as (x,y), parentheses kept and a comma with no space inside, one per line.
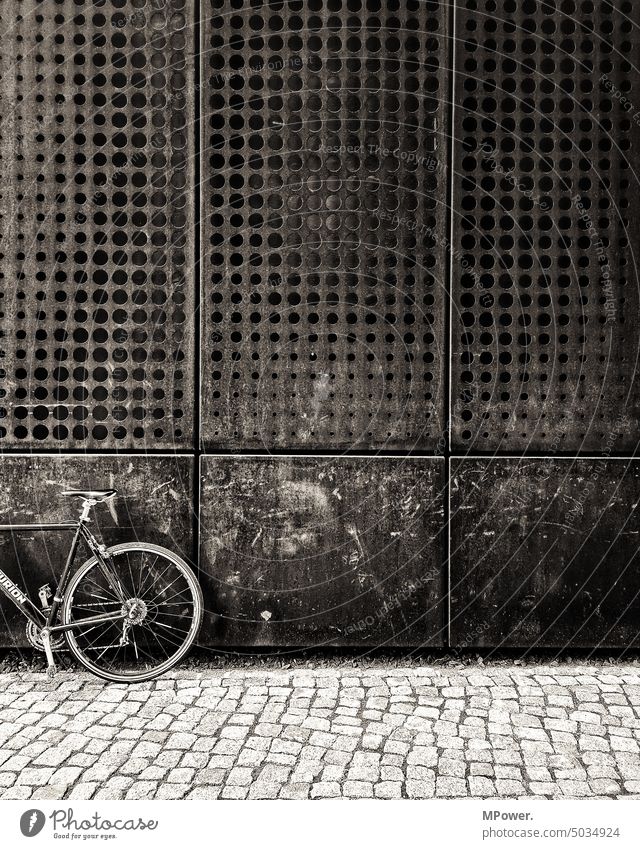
(545,555)
(323,551)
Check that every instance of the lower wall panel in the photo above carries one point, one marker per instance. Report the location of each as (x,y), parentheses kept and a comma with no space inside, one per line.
(544,552)
(153,504)
(346,551)
(312,551)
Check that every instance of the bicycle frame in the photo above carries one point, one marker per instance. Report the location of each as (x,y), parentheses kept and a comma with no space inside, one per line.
(29,609)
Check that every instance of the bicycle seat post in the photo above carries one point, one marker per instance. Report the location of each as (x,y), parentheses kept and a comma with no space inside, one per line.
(87,504)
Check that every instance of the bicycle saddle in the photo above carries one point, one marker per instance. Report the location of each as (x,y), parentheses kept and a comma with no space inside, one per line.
(91,494)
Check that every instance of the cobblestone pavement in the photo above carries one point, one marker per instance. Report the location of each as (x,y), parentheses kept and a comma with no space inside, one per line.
(387,733)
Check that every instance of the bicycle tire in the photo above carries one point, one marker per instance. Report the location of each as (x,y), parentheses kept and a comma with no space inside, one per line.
(79,648)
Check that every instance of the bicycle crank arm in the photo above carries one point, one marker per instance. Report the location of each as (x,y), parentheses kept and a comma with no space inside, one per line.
(89,621)
(45,635)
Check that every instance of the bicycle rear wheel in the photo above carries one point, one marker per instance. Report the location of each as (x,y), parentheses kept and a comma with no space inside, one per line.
(160,614)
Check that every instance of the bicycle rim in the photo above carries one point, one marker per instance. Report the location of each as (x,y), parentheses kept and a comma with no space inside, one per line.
(163,606)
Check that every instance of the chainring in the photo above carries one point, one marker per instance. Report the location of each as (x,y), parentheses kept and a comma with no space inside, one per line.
(33,635)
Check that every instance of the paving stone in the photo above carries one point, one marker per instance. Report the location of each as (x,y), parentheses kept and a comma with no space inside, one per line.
(263,790)
(574,788)
(83,790)
(375,733)
(34,777)
(510,787)
(604,786)
(295,791)
(325,790)
(142,790)
(544,788)
(239,793)
(388,790)
(449,766)
(420,789)
(205,792)
(479,786)
(18,792)
(423,756)
(481,769)
(451,787)
(50,791)
(358,789)
(66,775)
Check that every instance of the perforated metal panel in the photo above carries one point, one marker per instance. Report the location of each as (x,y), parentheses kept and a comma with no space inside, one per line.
(96,252)
(545,317)
(323,211)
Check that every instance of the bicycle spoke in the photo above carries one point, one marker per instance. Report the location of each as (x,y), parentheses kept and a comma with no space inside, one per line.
(145,572)
(148,655)
(102,653)
(101,634)
(175,595)
(170,604)
(87,608)
(167,587)
(174,615)
(105,598)
(133,584)
(148,588)
(153,634)
(101,586)
(170,627)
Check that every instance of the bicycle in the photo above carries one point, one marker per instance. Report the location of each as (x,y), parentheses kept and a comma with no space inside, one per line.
(128,614)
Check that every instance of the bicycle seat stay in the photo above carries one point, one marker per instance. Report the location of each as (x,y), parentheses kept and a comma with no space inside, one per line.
(96,495)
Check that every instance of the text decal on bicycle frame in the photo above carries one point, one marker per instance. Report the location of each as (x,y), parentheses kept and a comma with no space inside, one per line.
(11,588)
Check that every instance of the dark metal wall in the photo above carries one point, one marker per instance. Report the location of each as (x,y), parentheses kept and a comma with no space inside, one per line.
(545,296)
(96,254)
(324,152)
(545,554)
(394,228)
(323,550)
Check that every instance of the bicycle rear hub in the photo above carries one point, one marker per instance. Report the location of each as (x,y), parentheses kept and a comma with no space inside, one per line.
(135,610)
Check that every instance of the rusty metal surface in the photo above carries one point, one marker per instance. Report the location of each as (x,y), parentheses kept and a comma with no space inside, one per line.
(546,224)
(96,242)
(545,552)
(322,551)
(153,505)
(323,212)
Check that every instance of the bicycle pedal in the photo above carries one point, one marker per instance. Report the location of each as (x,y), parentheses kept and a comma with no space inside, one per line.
(51,671)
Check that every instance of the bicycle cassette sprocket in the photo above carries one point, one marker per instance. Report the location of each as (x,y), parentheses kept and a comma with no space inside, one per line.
(33,635)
